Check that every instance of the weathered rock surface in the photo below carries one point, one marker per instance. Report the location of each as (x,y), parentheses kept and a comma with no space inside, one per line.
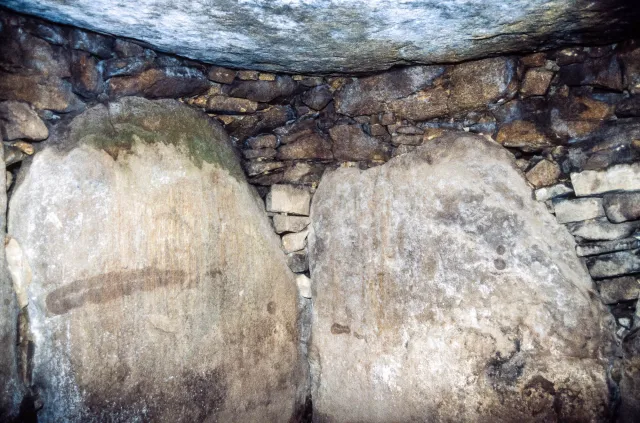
(622,206)
(615,290)
(615,178)
(320,36)
(145,305)
(461,302)
(630,380)
(614,264)
(601,247)
(578,209)
(351,143)
(18,120)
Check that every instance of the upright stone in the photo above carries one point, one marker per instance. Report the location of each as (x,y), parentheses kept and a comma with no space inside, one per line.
(461,302)
(144,239)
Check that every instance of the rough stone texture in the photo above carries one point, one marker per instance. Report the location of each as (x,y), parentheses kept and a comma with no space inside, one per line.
(523,135)
(157,83)
(86,75)
(614,264)
(320,36)
(145,305)
(351,143)
(11,388)
(601,247)
(578,209)
(288,199)
(621,207)
(312,146)
(44,93)
(536,82)
(283,223)
(544,173)
(600,229)
(294,242)
(615,178)
(461,302)
(264,91)
(18,120)
(630,380)
(304,286)
(615,290)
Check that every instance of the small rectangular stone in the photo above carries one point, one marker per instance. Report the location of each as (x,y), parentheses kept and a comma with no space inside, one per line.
(622,206)
(603,247)
(626,288)
(578,209)
(284,223)
(614,264)
(600,229)
(288,199)
(294,241)
(548,193)
(624,177)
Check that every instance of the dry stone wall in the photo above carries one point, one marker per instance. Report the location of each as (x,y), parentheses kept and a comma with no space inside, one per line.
(570,117)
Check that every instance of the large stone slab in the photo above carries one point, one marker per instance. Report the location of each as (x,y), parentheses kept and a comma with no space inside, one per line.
(444,293)
(144,241)
(353,35)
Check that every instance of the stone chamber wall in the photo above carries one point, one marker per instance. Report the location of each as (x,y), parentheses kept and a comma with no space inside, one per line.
(571,119)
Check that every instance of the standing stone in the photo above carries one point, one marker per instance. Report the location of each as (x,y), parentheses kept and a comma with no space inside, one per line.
(11,388)
(455,302)
(144,239)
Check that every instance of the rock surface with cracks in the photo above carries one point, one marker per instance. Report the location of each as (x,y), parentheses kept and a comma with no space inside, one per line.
(143,238)
(457,296)
(339,35)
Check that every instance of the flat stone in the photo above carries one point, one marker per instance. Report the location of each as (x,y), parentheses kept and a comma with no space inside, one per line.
(312,146)
(223,104)
(304,286)
(622,206)
(167,316)
(264,91)
(352,144)
(283,223)
(523,135)
(303,173)
(534,60)
(162,82)
(626,288)
(601,229)
(365,96)
(86,75)
(248,75)
(124,48)
(262,153)
(544,173)
(126,66)
(257,167)
(553,191)
(293,242)
(263,141)
(221,75)
(614,264)
(288,199)
(406,139)
(19,121)
(298,261)
(318,97)
(261,121)
(624,177)
(536,82)
(594,248)
(494,79)
(578,209)
(602,72)
(424,282)
(327,37)
(43,93)
(423,105)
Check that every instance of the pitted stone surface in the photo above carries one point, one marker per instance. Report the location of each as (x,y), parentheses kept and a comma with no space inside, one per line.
(456,295)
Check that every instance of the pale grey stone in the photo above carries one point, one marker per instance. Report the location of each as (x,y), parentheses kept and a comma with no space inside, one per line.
(321,36)
(145,302)
(304,286)
(294,241)
(578,209)
(615,290)
(450,302)
(548,193)
(616,178)
(602,247)
(600,229)
(285,223)
(623,206)
(288,199)
(19,121)
(614,264)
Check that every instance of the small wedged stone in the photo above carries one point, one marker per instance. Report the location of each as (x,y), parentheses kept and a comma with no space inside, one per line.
(224,104)
(602,247)
(311,146)
(523,135)
(423,105)
(19,121)
(601,72)
(622,207)
(244,126)
(626,288)
(283,223)
(264,91)
(298,261)
(295,241)
(261,153)
(476,84)
(126,66)
(614,264)
(544,173)
(553,191)
(352,144)
(304,286)
(86,75)
(124,48)
(318,97)
(288,199)
(536,82)
(576,210)
(263,141)
(175,81)
(600,229)
(257,167)
(616,178)
(406,139)
(303,173)
(534,60)
(221,75)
